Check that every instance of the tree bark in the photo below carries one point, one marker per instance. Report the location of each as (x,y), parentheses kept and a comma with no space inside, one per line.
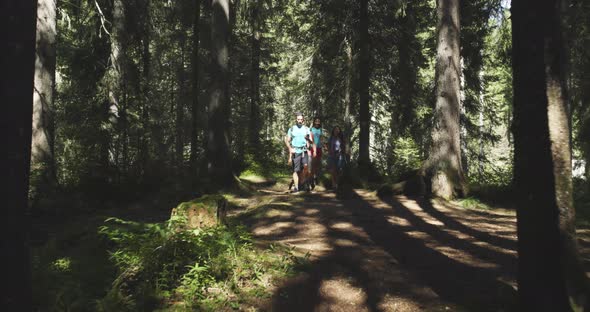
(550,273)
(218,152)
(17,60)
(364,115)
(462,119)
(349,92)
(443,170)
(254,121)
(196,89)
(115,82)
(180,104)
(42,146)
(145,111)
(480,125)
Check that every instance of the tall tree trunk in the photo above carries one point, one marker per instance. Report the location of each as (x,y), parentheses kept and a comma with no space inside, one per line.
(115,84)
(443,169)
(196,90)
(218,152)
(363,67)
(42,147)
(145,112)
(17,60)
(550,273)
(462,120)
(349,92)
(480,124)
(254,121)
(206,82)
(180,103)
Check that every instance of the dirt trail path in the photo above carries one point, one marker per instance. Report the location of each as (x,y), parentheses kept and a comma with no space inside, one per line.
(400,254)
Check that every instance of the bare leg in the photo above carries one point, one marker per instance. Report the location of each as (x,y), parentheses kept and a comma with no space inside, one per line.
(296,179)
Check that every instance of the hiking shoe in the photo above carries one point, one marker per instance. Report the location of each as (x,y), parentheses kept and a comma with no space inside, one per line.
(295,190)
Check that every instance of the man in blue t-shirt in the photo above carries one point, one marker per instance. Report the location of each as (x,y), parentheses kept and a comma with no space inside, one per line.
(298,141)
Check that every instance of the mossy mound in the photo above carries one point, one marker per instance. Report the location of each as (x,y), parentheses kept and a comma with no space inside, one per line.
(205,211)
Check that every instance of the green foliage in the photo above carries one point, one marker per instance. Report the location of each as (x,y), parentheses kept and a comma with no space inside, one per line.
(267,167)
(204,268)
(488,138)
(70,271)
(582,201)
(473,203)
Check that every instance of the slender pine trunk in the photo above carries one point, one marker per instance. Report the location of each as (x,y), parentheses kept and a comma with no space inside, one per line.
(218,151)
(363,68)
(196,89)
(42,146)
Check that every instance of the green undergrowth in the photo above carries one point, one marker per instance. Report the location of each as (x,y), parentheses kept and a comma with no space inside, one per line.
(582,202)
(205,269)
(259,167)
(473,203)
(490,197)
(71,270)
(125,265)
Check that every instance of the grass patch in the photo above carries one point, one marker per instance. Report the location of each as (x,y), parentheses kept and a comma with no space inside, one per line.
(206,269)
(71,270)
(124,265)
(473,203)
(493,195)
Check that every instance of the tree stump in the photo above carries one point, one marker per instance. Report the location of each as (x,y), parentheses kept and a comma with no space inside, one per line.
(205,211)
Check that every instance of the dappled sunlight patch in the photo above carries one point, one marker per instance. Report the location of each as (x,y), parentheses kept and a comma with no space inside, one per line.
(311,212)
(341,242)
(314,247)
(394,303)
(339,294)
(418,234)
(310,227)
(260,212)
(398,221)
(434,222)
(342,225)
(279,213)
(272,228)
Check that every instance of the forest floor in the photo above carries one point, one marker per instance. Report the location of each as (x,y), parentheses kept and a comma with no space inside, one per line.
(391,254)
(360,254)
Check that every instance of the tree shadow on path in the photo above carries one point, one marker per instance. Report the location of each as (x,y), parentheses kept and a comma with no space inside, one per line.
(395,254)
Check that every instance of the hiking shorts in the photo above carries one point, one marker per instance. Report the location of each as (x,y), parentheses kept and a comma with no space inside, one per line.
(299,161)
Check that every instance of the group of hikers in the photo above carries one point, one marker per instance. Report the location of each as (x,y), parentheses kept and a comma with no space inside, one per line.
(305,146)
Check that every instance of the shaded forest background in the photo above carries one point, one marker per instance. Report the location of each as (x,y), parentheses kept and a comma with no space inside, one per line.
(130,105)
